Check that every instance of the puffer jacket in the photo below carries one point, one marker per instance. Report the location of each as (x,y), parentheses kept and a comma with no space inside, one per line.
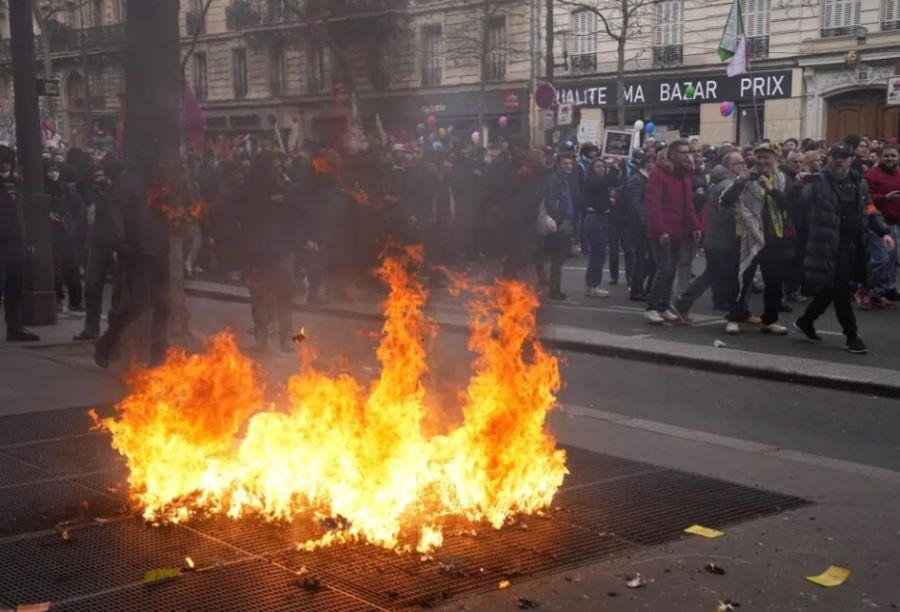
(670,204)
(820,197)
(635,193)
(556,198)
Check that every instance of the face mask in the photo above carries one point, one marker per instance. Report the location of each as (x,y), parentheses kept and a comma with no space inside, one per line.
(53,176)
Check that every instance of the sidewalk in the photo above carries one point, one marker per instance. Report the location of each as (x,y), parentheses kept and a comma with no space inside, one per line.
(823,370)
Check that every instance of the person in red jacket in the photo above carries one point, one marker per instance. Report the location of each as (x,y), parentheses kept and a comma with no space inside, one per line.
(672,225)
(884,187)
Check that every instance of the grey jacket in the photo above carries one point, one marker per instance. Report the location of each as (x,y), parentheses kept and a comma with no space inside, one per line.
(719,221)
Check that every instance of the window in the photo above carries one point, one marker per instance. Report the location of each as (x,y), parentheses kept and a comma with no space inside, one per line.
(840,17)
(315,72)
(276,70)
(200,76)
(496,60)
(669,23)
(584,29)
(891,18)
(275,10)
(121,11)
(97,13)
(71,16)
(239,72)
(432,55)
(756,26)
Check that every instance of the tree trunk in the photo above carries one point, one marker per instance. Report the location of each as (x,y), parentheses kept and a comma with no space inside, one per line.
(620,76)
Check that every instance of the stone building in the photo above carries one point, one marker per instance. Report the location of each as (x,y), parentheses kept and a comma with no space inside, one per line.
(818,68)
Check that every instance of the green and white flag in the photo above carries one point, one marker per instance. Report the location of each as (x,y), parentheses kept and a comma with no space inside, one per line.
(733,45)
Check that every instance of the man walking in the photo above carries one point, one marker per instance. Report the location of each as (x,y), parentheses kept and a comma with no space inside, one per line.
(672,225)
(884,187)
(841,217)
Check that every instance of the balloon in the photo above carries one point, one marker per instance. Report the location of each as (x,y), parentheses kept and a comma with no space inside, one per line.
(431,121)
(437,146)
(650,127)
(476,138)
(726,108)
(442,133)
(450,129)
(638,125)
(503,121)
(689,92)
(420,129)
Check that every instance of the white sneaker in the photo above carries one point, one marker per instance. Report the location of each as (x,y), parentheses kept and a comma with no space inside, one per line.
(669,316)
(732,328)
(654,317)
(774,329)
(596,292)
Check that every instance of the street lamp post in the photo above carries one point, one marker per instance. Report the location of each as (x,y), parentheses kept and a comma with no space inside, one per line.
(39,298)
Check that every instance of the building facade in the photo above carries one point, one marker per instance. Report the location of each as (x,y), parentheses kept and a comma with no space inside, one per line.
(818,68)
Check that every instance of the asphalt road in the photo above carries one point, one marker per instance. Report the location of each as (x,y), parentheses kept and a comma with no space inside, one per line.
(842,425)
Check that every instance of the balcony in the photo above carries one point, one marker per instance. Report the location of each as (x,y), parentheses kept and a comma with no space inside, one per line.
(194,22)
(835,32)
(890,25)
(65,40)
(349,8)
(758,47)
(431,76)
(584,64)
(667,56)
(240,14)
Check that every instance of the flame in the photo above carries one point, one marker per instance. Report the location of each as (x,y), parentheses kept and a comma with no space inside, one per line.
(160,198)
(199,438)
(323,164)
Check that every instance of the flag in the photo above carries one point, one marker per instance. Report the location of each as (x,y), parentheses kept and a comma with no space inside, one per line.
(193,121)
(738,63)
(734,29)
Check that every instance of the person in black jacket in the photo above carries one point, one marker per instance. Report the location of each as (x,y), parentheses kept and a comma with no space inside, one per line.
(67,218)
(636,228)
(561,204)
(599,182)
(13,248)
(841,215)
(526,188)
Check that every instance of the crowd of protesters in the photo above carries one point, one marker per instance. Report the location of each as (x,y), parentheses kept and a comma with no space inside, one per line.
(817,221)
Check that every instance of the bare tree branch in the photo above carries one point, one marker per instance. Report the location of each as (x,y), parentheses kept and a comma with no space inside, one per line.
(200,22)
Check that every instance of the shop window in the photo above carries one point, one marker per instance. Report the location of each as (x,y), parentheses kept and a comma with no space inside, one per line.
(239,72)
(750,123)
(200,76)
(840,17)
(756,24)
(891,17)
(667,50)
(432,55)
(276,70)
(496,59)
(584,33)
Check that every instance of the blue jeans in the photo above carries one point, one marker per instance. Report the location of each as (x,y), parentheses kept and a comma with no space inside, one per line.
(882,264)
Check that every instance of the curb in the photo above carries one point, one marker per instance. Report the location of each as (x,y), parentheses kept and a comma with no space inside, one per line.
(795,370)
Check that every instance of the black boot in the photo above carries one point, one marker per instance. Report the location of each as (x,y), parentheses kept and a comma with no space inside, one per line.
(20,334)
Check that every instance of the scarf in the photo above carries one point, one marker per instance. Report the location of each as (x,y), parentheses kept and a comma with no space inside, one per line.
(750,209)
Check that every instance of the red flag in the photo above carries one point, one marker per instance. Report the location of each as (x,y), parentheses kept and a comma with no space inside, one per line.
(193,121)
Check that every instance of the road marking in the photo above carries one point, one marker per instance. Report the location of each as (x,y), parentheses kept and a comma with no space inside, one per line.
(749,446)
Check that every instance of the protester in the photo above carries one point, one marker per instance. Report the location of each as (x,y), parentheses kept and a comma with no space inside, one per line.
(636,227)
(672,225)
(560,205)
(884,187)
(597,202)
(13,248)
(841,220)
(67,222)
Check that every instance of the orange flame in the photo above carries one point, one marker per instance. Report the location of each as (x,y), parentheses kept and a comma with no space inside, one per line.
(160,198)
(199,439)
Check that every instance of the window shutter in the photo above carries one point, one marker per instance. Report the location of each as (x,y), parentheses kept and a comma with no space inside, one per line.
(891,10)
(670,15)
(841,14)
(756,18)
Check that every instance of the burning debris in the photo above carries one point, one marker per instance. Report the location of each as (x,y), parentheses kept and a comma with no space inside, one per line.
(198,437)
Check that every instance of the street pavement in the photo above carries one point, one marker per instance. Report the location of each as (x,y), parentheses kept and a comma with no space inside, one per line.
(838,449)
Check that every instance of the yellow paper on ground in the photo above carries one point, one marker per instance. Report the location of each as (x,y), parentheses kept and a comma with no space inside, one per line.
(706,532)
(831,577)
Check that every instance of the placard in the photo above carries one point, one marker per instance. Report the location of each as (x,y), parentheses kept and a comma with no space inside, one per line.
(588,131)
(893,91)
(617,143)
(564,115)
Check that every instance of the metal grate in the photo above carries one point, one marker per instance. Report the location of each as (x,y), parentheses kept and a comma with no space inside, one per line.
(607,505)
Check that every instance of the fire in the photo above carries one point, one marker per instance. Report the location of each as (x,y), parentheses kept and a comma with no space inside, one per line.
(200,439)
(160,197)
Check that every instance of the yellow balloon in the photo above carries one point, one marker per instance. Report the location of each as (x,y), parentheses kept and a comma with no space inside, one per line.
(442,133)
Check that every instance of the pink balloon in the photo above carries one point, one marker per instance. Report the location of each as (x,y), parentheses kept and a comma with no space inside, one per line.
(504,121)
(726,108)
(431,121)
(476,137)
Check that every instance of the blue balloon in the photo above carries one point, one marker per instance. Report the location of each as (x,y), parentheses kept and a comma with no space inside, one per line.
(650,127)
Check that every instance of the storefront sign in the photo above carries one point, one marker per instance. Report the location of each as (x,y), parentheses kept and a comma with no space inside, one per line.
(511,100)
(448,104)
(565,114)
(893,91)
(655,91)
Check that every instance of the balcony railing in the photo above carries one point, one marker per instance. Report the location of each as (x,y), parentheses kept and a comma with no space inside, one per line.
(833,32)
(667,56)
(194,20)
(65,40)
(241,14)
(584,64)
(758,47)
(890,25)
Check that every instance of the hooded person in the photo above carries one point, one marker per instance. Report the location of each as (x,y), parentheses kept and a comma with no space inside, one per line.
(13,248)
(67,220)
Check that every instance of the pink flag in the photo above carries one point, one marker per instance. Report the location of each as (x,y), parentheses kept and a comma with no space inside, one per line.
(738,64)
(193,121)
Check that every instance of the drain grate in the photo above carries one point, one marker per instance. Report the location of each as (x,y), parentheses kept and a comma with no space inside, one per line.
(608,505)
(34,426)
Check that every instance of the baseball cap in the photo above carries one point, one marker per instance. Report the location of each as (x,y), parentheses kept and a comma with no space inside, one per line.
(841,150)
